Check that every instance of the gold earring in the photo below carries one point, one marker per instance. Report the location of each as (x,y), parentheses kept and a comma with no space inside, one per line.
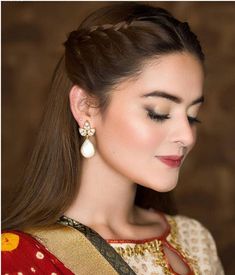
(87,148)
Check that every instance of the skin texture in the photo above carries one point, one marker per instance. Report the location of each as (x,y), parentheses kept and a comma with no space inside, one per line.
(127,142)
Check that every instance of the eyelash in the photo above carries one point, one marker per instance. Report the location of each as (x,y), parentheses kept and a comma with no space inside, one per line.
(161,118)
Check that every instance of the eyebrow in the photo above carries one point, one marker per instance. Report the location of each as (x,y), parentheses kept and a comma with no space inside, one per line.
(173,98)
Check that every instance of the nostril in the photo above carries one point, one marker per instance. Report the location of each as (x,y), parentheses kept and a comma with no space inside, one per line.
(188,136)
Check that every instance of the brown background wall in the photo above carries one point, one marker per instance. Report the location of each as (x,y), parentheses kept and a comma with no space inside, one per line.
(32,36)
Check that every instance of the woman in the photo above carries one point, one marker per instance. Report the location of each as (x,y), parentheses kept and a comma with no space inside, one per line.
(122,111)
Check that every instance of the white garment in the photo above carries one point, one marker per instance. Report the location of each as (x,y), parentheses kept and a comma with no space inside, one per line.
(186,235)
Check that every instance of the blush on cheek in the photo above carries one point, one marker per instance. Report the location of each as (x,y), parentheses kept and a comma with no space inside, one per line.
(141,136)
(127,134)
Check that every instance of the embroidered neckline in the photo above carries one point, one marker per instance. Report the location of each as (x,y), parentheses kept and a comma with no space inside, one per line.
(155,243)
(155,247)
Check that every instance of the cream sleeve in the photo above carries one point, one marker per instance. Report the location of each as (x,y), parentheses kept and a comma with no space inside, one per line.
(215,261)
(198,241)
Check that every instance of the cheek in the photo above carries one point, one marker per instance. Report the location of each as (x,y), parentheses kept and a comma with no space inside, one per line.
(143,135)
(131,135)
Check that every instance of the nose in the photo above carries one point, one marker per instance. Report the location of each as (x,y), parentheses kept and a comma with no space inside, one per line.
(184,133)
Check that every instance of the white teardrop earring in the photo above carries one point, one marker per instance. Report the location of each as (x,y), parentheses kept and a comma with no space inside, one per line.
(87,148)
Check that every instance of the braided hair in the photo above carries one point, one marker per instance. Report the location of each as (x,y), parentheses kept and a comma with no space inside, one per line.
(115,42)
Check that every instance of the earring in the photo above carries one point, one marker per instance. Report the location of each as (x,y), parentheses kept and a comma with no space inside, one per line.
(87,148)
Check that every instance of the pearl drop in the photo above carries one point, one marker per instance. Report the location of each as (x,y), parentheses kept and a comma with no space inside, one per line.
(87,149)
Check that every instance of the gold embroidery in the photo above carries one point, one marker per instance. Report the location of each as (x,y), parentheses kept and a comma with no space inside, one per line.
(68,244)
(155,247)
(192,261)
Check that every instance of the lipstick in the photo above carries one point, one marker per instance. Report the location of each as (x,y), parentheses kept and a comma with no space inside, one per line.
(171,161)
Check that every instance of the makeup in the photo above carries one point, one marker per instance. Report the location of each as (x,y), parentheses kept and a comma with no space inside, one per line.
(171,161)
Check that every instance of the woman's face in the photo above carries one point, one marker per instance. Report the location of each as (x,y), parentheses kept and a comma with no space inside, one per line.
(143,137)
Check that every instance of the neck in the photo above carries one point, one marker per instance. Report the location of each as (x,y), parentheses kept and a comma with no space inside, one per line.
(105,197)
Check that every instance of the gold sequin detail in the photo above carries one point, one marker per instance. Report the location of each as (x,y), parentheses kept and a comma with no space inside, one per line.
(156,247)
(192,261)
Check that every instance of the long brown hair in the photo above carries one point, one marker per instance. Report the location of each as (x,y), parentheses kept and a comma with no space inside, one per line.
(110,45)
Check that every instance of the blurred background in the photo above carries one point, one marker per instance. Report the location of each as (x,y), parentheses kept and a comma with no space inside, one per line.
(32,37)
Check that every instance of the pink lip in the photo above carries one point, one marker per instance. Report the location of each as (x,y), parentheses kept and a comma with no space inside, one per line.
(172,161)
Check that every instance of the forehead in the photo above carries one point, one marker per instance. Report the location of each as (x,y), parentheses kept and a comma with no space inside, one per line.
(180,74)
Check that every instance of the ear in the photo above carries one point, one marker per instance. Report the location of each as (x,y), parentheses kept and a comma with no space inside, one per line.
(82,106)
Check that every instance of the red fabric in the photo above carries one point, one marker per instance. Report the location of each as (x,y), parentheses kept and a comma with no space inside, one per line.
(22,254)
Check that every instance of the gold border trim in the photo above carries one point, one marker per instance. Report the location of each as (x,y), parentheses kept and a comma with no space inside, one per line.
(73,249)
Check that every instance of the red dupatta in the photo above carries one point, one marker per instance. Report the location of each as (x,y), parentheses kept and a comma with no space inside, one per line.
(22,254)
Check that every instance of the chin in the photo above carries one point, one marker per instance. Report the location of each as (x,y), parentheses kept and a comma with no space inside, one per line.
(163,185)
(165,188)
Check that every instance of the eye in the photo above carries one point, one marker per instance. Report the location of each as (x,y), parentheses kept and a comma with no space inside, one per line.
(161,117)
(157,117)
(193,120)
